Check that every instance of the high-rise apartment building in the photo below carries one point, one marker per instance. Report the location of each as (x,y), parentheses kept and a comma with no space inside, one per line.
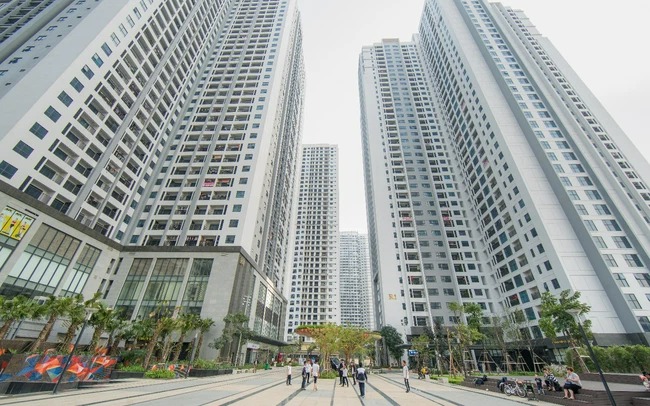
(169,128)
(313,291)
(354,285)
(493,175)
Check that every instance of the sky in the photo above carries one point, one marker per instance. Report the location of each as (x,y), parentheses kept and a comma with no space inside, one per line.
(605,42)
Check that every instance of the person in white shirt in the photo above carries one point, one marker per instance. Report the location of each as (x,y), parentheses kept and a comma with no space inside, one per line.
(288,374)
(345,376)
(315,372)
(405,375)
(362,377)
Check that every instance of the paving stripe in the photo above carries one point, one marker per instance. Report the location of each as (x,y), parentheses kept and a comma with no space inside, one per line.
(333,393)
(416,390)
(288,399)
(388,398)
(358,394)
(245,396)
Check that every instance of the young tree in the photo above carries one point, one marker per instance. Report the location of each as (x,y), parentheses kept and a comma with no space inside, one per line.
(467,330)
(326,337)
(354,339)
(235,330)
(393,340)
(161,317)
(421,344)
(556,318)
(203,325)
(186,323)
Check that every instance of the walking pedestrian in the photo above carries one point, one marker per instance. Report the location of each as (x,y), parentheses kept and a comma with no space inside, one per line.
(315,371)
(308,372)
(288,374)
(353,372)
(362,378)
(304,376)
(405,375)
(341,366)
(345,376)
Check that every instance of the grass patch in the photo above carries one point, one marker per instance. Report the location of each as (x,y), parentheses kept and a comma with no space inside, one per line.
(160,374)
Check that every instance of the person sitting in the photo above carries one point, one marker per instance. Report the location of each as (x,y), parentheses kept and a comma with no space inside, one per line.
(502,383)
(481,380)
(552,384)
(572,384)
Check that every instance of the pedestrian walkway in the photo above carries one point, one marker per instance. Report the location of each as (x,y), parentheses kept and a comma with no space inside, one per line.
(267,388)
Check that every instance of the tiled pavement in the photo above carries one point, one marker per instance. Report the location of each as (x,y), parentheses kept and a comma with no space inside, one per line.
(266,388)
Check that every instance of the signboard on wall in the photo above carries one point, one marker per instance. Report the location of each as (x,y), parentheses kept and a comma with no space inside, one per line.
(14,224)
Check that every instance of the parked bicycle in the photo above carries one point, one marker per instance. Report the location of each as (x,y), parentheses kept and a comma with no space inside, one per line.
(517,388)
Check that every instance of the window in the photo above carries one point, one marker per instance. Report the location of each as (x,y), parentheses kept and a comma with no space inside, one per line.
(236,208)
(632,260)
(76,84)
(620,280)
(555,283)
(645,323)
(233,223)
(65,98)
(621,242)
(632,301)
(581,210)
(38,130)
(593,195)
(230,239)
(107,49)
(611,225)
(98,61)
(7,170)
(240,193)
(609,260)
(600,242)
(643,279)
(602,209)
(53,114)
(23,149)
(448,292)
(87,71)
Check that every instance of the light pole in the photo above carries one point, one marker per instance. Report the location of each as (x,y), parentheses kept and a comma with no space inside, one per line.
(89,312)
(575,313)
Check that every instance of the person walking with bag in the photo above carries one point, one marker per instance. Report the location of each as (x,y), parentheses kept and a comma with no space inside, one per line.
(362,378)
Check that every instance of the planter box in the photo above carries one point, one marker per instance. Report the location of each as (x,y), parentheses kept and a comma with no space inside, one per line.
(202,373)
(117,374)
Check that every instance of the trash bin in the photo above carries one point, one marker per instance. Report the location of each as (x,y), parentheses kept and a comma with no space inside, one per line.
(266,366)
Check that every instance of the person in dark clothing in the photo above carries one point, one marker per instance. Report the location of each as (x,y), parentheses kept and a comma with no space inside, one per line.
(304,376)
(341,366)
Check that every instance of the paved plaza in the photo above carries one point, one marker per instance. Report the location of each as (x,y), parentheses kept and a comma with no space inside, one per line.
(267,388)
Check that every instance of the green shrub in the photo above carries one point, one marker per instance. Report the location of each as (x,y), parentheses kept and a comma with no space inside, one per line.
(456,380)
(160,374)
(329,375)
(133,356)
(205,364)
(130,368)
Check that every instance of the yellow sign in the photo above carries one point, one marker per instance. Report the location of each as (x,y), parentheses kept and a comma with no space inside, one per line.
(14,223)
(392,296)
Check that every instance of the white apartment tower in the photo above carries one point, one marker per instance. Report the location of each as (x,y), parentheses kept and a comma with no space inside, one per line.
(493,174)
(354,285)
(313,291)
(171,130)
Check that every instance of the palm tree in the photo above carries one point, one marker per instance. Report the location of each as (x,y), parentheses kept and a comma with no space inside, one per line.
(76,316)
(18,308)
(54,308)
(117,327)
(161,315)
(204,325)
(187,322)
(169,326)
(103,318)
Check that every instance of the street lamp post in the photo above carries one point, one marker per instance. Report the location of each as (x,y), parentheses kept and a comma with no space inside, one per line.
(89,312)
(576,315)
